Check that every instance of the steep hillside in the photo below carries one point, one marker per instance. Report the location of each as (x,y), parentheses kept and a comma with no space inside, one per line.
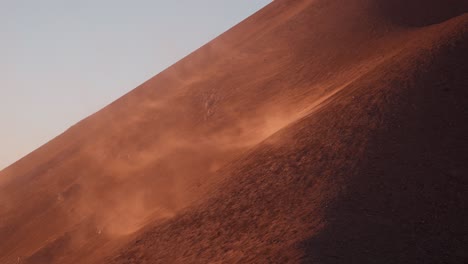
(375,175)
(314,131)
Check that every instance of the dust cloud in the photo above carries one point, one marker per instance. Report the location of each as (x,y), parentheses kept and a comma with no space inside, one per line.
(122,191)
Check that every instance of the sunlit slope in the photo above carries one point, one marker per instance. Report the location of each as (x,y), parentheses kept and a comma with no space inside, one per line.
(375,175)
(313,131)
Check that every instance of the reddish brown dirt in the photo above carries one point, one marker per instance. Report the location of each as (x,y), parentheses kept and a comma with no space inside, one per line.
(325,131)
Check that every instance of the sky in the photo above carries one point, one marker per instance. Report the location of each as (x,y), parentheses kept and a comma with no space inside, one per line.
(62,60)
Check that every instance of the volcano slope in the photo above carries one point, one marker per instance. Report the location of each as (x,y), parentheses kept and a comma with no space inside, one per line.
(312,132)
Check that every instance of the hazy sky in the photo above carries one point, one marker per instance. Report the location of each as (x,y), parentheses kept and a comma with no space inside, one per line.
(62,60)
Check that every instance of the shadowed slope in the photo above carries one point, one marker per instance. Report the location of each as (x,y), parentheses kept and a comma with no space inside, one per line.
(405,200)
(265,144)
(421,12)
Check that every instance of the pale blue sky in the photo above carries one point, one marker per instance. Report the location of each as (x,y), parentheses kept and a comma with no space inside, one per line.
(62,60)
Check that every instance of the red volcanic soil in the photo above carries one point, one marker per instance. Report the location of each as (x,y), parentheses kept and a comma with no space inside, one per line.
(326,131)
